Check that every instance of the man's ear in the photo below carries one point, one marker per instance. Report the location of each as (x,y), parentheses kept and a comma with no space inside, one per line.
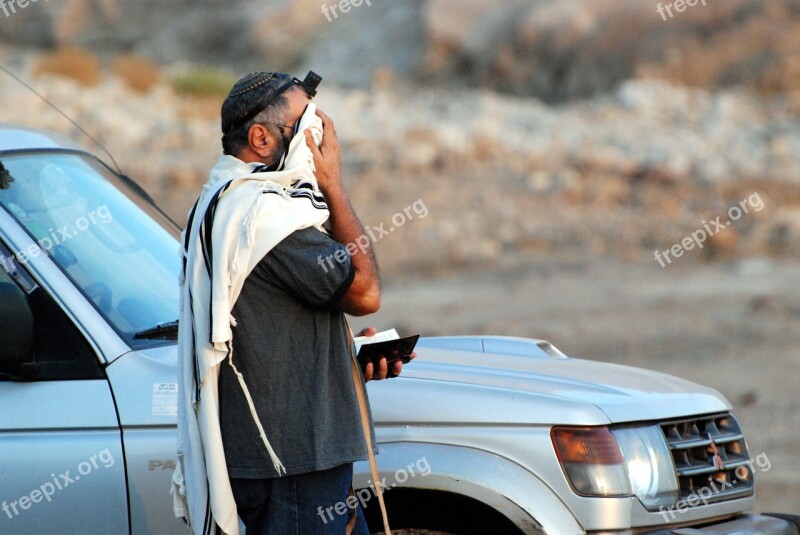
(260,141)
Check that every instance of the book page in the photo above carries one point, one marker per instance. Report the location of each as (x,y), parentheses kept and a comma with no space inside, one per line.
(383,336)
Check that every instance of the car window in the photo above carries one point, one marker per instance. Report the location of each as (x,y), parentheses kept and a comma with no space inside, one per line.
(118,250)
(59,352)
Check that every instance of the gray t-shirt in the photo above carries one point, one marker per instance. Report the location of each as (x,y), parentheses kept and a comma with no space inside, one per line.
(290,345)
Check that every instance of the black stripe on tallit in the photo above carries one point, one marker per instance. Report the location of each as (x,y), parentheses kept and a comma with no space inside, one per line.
(207,226)
(187,235)
(316,201)
(206,233)
(186,239)
(196,374)
(209,527)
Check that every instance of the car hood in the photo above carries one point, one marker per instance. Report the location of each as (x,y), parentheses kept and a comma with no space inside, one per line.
(495,380)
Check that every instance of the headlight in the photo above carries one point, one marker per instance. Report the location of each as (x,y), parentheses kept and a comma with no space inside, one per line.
(591,460)
(651,470)
(622,462)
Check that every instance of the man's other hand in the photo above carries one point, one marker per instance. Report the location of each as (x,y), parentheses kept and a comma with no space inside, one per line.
(383,371)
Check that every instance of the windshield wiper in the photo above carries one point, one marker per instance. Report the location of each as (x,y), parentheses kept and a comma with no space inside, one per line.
(164,331)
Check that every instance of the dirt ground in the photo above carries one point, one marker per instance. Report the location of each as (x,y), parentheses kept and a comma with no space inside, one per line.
(734,327)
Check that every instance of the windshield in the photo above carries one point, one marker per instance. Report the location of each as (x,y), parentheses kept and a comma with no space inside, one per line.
(119,250)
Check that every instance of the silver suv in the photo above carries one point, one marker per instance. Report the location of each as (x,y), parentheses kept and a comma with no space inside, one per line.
(480,434)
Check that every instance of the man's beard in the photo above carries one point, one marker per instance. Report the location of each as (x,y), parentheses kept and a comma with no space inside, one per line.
(278,153)
(275,157)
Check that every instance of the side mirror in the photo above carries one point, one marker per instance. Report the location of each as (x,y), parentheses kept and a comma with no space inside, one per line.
(16,329)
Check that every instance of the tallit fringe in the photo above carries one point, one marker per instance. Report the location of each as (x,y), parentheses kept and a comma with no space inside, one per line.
(276,462)
(249,222)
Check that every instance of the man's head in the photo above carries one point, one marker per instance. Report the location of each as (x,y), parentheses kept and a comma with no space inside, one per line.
(260,114)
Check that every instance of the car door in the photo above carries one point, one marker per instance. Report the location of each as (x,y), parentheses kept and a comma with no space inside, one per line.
(145,387)
(62,468)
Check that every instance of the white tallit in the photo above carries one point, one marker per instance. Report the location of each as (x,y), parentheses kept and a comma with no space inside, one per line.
(240,216)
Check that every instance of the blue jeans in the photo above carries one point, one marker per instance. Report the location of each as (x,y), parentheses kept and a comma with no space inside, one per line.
(304,504)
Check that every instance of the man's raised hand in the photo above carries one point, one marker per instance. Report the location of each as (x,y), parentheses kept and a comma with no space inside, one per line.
(327,157)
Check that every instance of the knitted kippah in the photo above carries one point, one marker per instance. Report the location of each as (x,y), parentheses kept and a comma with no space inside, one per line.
(250,82)
(250,95)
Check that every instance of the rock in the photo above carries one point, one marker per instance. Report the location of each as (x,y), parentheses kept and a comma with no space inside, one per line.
(747,399)
(284,32)
(783,233)
(449,24)
(723,245)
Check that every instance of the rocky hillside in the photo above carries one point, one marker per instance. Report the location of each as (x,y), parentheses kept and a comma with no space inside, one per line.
(502,178)
(555,50)
(564,129)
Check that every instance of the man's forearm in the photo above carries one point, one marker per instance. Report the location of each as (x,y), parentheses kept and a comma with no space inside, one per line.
(364,295)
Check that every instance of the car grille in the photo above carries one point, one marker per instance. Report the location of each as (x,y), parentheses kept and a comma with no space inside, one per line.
(711,457)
